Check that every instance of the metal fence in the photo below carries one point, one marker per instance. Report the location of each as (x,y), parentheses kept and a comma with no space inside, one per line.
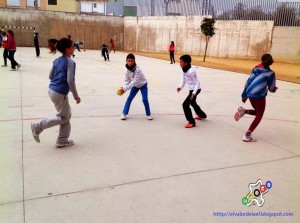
(283,13)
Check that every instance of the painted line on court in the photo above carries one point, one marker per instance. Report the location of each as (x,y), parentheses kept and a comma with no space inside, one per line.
(167,114)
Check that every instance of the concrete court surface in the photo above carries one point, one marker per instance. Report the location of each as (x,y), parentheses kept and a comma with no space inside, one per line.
(141,171)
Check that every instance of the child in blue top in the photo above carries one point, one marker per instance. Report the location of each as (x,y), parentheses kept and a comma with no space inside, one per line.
(261,80)
(62,80)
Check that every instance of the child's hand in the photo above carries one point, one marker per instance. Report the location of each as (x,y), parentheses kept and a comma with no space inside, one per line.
(178,89)
(78,100)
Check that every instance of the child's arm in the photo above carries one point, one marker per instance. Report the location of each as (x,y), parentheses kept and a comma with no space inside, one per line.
(71,80)
(248,82)
(131,83)
(272,83)
(197,85)
(182,83)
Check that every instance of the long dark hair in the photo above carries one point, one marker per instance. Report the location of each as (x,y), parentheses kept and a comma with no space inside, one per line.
(60,45)
(11,33)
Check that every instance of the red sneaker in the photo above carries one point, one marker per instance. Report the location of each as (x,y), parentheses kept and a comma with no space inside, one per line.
(189,125)
(197,117)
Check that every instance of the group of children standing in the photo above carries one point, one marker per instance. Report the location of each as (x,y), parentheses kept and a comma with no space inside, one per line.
(62,80)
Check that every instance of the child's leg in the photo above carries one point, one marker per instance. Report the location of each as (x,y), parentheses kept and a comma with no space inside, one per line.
(107,55)
(131,96)
(103,54)
(144,91)
(11,58)
(171,57)
(196,107)
(259,104)
(187,110)
(5,56)
(251,111)
(63,115)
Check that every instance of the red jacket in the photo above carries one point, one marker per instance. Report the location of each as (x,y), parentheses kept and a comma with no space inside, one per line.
(4,42)
(11,43)
(171,48)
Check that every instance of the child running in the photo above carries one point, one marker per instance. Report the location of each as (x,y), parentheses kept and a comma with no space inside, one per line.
(190,77)
(104,52)
(135,80)
(261,80)
(62,80)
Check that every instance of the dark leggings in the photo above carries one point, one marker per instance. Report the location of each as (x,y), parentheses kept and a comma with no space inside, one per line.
(5,56)
(11,57)
(186,107)
(105,54)
(259,105)
(172,57)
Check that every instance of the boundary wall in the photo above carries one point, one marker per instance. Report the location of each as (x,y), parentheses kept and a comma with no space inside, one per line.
(233,39)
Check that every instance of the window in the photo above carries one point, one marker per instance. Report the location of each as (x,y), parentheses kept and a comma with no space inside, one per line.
(30,3)
(13,2)
(92,7)
(52,2)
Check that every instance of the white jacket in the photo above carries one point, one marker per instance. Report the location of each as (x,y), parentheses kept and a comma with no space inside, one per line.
(190,77)
(134,79)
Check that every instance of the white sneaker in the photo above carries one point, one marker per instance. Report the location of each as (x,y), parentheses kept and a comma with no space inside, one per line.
(66,144)
(249,139)
(18,66)
(123,117)
(240,113)
(149,117)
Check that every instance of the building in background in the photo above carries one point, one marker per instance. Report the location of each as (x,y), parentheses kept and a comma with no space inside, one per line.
(75,6)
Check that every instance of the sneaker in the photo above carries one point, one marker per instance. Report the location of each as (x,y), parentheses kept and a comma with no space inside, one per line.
(66,144)
(190,125)
(199,118)
(4,65)
(149,117)
(123,117)
(34,133)
(240,113)
(13,70)
(249,139)
(18,66)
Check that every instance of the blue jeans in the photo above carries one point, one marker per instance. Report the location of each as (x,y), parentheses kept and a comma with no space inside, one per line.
(133,92)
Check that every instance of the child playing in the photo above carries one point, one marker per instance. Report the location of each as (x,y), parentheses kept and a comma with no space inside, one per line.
(135,80)
(190,77)
(112,45)
(261,80)
(77,45)
(62,80)
(104,51)
(172,51)
(11,47)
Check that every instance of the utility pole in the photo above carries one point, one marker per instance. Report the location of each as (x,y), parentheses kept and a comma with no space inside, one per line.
(152,10)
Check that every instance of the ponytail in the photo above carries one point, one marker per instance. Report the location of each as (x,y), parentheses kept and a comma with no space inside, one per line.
(52,45)
(60,45)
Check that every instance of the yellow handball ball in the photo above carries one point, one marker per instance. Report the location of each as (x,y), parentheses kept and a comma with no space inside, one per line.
(119,91)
